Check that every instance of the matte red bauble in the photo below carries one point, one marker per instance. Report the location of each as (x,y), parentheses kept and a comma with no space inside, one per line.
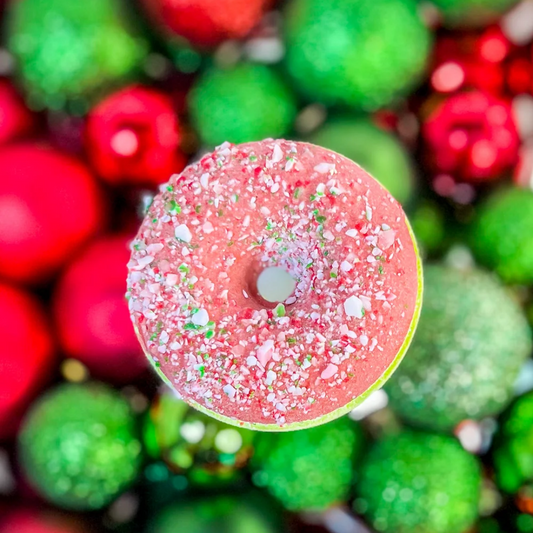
(26,354)
(91,312)
(49,205)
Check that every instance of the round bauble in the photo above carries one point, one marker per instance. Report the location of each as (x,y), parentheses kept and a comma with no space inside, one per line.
(418,482)
(380,153)
(308,469)
(50,206)
(246,102)
(470,344)
(70,51)
(502,234)
(360,53)
(78,446)
(91,313)
(26,354)
(132,137)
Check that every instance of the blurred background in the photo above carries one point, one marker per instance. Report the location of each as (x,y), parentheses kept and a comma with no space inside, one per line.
(102,100)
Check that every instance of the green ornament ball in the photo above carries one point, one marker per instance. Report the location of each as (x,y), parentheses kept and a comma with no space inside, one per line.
(242,103)
(67,51)
(502,235)
(471,341)
(308,469)
(209,452)
(429,226)
(473,13)
(79,446)
(360,53)
(513,446)
(380,153)
(219,514)
(418,482)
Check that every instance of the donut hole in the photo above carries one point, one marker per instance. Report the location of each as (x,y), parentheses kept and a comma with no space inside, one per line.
(275,285)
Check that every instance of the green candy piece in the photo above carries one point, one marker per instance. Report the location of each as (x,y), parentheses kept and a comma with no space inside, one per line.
(79,446)
(472,12)
(378,152)
(471,341)
(361,53)
(513,446)
(418,482)
(209,452)
(311,468)
(68,50)
(221,514)
(239,104)
(502,235)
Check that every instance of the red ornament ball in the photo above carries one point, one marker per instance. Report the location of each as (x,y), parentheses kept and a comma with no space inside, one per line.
(133,137)
(50,205)
(26,354)
(207,23)
(15,118)
(472,137)
(91,312)
(33,521)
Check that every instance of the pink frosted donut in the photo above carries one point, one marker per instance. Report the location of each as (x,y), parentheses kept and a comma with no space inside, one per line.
(210,334)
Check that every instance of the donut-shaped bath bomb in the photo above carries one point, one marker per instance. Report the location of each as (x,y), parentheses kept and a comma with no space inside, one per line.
(274,284)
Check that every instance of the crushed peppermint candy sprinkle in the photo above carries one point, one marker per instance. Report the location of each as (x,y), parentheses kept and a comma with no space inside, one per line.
(245,208)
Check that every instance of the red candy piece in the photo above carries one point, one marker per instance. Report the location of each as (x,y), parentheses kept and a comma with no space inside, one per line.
(91,312)
(472,137)
(207,23)
(26,354)
(50,205)
(133,136)
(321,220)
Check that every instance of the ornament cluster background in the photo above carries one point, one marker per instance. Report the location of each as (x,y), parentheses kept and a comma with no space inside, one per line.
(102,100)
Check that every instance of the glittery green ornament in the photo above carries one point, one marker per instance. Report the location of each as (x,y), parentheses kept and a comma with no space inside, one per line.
(362,53)
(78,446)
(378,152)
(472,12)
(311,468)
(470,343)
(69,50)
(242,103)
(220,514)
(513,446)
(502,235)
(207,451)
(418,482)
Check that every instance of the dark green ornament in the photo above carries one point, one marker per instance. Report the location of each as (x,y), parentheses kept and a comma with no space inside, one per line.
(429,226)
(502,235)
(67,51)
(220,514)
(79,447)
(471,341)
(243,103)
(513,446)
(378,152)
(361,53)
(209,452)
(310,468)
(418,482)
(472,13)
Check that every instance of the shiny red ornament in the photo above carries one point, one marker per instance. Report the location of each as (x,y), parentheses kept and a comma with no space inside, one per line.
(49,206)
(15,118)
(472,137)
(132,137)
(484,60)
(91,312)
(207,23)
(26,354)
